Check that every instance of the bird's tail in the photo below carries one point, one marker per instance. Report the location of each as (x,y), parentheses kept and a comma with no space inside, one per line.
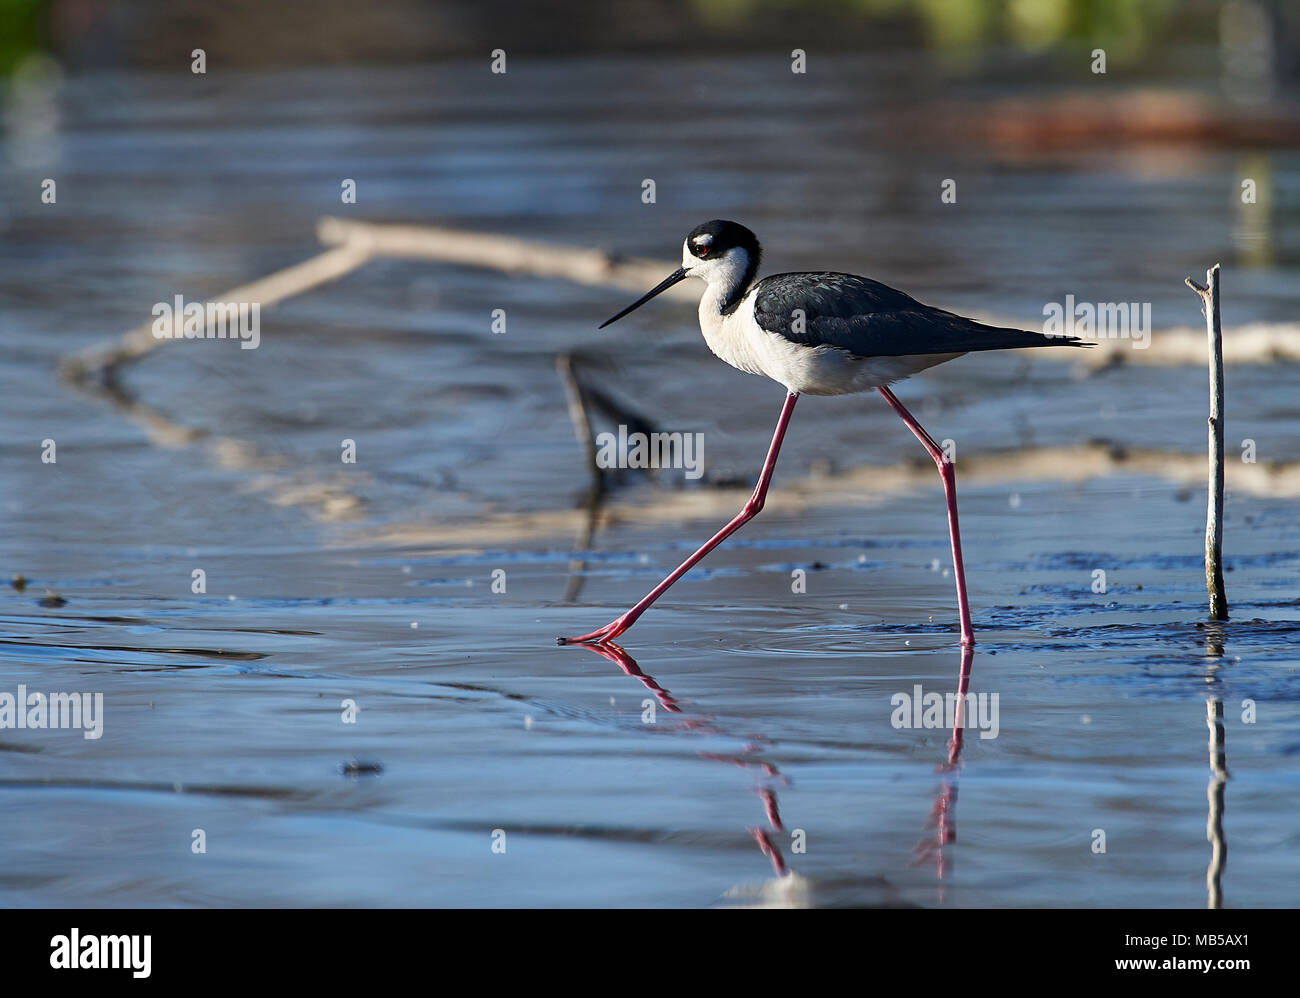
(978,336)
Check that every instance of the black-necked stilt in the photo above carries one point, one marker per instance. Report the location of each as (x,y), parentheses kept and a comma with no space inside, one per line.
(818,334)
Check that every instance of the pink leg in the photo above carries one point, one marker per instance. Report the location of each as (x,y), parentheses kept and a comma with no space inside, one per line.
(947,473)
(617,626)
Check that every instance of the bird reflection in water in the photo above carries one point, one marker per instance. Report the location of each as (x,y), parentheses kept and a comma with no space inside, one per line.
(769,777)
(940,824)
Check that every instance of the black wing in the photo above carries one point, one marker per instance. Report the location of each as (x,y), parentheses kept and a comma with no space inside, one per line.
(871,319)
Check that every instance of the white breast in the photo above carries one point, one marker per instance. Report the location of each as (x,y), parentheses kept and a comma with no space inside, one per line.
(742,343)
(728,336)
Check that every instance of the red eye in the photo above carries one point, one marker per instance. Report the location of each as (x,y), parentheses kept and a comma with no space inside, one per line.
(703,251)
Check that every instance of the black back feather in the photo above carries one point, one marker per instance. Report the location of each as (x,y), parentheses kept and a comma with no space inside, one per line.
(870,319)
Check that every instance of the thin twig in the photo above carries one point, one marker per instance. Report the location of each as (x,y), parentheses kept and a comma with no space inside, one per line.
(573,394)
(857,487)
(104,359)
(582,265)
(1209,296)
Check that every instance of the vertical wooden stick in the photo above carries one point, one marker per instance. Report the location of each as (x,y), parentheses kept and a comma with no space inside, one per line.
(1209,296)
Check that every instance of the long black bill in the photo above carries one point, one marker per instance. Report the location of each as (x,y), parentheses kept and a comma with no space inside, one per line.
(680,274)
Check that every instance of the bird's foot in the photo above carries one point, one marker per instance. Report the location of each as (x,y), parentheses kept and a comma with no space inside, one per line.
(607,633)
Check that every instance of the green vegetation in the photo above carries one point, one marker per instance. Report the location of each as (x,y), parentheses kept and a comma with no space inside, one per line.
(22,31)
(1124,27)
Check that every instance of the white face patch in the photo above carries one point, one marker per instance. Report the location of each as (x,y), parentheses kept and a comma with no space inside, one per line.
(722,273)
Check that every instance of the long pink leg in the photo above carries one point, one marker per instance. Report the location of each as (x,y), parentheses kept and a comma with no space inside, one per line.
(949,476)
(620,624)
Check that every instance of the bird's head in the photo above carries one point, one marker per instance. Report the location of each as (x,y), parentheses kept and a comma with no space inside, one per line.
(720,252)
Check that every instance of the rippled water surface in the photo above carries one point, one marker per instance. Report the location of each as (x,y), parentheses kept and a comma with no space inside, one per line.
(745,749)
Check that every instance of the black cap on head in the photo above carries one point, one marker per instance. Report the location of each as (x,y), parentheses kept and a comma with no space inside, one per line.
(712,239)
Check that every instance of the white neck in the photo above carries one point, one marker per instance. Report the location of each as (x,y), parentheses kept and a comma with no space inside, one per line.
(723,275)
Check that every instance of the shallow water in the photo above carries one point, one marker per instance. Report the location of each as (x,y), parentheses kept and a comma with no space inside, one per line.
(770,771)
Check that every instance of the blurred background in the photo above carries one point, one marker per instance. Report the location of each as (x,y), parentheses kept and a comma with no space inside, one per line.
(89,34)
(1098,148)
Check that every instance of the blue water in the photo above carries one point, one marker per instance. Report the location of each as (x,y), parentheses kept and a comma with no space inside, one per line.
(750,756)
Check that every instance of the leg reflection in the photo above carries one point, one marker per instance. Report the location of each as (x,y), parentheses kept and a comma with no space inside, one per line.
(745,758)
(941,824)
